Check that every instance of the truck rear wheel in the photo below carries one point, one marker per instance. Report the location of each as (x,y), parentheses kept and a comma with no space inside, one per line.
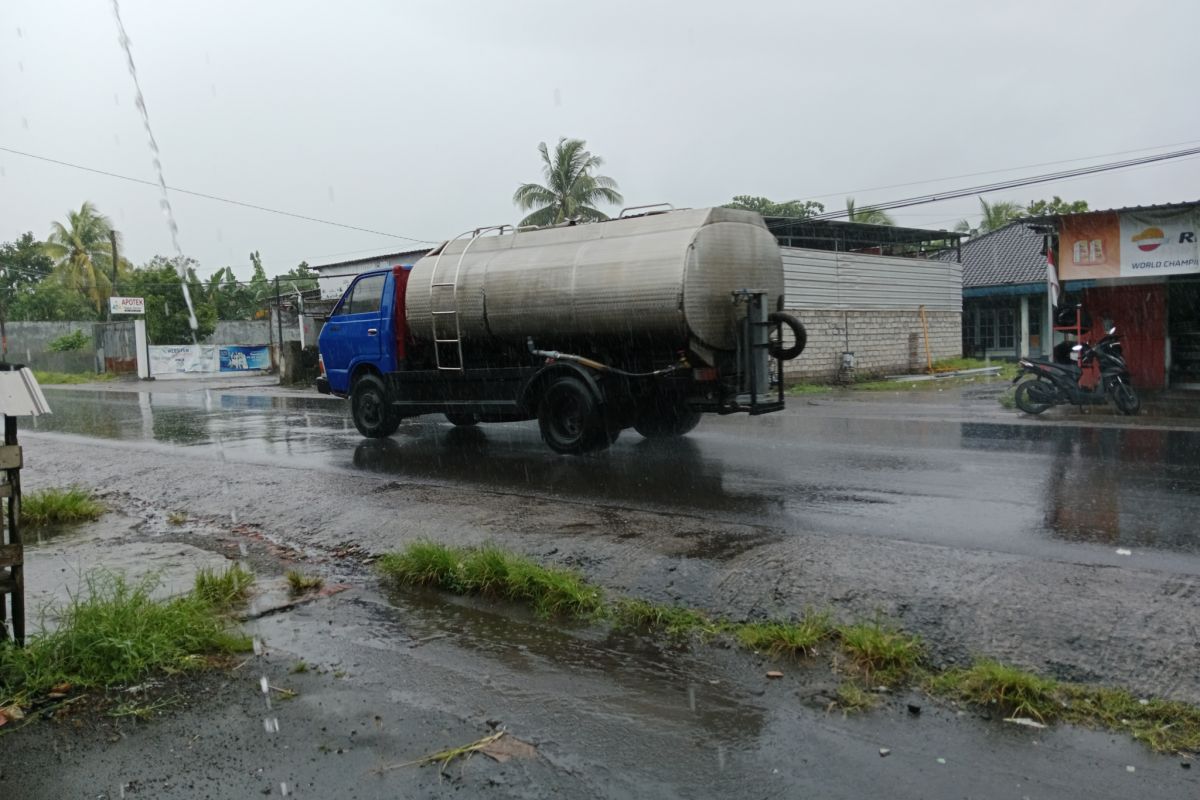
(664,422)
(373,414)
(570,419)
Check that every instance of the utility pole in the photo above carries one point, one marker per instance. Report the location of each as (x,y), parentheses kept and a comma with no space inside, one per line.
(112,238)
(279,322)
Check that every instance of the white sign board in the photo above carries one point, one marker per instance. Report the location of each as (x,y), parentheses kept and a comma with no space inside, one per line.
(189,359)
(127,305)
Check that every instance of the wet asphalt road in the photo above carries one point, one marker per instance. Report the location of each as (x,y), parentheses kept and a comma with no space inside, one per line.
(982,531)
(963,473)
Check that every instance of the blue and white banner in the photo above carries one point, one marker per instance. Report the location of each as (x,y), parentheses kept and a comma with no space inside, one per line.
(239,358)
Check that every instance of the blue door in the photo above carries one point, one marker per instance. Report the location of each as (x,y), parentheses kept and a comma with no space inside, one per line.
(355,331)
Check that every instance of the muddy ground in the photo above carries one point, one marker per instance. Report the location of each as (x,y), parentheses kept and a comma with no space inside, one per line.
(985,533)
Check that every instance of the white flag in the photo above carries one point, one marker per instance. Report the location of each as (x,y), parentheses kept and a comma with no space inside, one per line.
(1052,277)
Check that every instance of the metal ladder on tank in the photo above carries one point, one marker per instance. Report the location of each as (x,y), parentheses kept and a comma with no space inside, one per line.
(451,313)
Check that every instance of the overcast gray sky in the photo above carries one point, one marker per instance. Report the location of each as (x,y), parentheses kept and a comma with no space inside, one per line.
(420,118)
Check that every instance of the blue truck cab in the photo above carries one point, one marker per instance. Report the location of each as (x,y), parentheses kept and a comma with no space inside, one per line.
(366,332)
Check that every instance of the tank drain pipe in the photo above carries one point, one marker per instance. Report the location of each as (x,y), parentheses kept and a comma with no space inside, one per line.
(554,355)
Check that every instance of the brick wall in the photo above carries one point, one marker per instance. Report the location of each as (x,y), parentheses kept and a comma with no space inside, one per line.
(883,342)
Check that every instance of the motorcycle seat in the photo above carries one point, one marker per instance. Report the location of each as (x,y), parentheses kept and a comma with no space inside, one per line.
(1070,369)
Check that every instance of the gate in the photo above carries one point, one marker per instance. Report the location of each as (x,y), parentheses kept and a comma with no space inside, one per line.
(116,346)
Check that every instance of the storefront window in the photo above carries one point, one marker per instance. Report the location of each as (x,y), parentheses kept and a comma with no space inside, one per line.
(992,328)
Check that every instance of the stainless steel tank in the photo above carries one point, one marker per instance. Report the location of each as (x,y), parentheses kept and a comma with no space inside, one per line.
(668,274)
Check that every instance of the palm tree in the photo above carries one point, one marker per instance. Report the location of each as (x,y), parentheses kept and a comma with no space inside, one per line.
(995,216)
(998,214)
(571,190)
(868,216)
(82,253)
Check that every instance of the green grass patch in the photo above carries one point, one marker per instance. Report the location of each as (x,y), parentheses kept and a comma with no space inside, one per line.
(852,697)
(794,639)
(990,683)
(49,378)
(56,506)
(675,621)
(882,652)
(421,564)
(299,583)
(1165,726)
(491,572)
(809,388)
(114,633)
(224,590)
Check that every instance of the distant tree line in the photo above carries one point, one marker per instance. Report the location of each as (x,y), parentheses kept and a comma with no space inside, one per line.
(70,276)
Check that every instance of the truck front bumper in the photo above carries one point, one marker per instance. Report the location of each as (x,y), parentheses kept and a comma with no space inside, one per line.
(323,385)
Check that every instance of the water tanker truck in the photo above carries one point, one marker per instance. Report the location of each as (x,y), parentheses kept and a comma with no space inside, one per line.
(646,322)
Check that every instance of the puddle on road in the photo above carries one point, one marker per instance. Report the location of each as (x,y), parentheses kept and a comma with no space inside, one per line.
(42,535)
(533,661)
(1128,487)
(58,561)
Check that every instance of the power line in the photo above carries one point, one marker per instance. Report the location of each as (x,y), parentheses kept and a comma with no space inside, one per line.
(1012,184)
(995,171)
(214,197)
(203,283)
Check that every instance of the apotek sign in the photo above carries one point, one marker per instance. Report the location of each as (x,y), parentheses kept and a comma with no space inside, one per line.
(127,305)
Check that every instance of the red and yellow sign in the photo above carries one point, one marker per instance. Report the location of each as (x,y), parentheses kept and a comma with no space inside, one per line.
(1128,245)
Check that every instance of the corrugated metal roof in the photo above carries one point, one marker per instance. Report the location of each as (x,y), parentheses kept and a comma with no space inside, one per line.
(1124,210)
(825,234)
(1009,255)
(411,255)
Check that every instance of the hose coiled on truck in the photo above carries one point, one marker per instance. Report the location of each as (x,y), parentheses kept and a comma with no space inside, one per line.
(596,365)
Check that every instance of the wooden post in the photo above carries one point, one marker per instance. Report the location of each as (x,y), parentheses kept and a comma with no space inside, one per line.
(12,578)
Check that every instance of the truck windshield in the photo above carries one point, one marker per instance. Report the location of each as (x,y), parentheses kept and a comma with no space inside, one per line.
(364,297)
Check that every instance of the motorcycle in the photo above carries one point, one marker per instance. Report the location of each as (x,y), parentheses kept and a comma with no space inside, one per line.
(1056,383)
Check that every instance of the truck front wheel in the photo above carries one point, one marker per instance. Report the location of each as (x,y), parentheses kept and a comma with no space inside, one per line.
(373,414)
(664,422)
(570,419)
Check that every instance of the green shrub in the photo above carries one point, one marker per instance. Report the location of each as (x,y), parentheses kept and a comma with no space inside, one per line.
(68,342)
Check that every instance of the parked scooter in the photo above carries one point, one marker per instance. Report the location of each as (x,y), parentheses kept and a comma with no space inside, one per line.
(1058,384)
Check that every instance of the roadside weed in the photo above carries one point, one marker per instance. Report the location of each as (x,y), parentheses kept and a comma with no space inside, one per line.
(675,621)
(299,583)
(1166,726)
(881,651)
(1012,690)
(793,639)
(113,633)
(492,572)
(177,518)
(852,697)
(485,571)
(52,506)
(421,564)
(48,378)
(223,590)
(552,590)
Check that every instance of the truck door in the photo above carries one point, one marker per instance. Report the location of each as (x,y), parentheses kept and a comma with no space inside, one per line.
(355,331)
